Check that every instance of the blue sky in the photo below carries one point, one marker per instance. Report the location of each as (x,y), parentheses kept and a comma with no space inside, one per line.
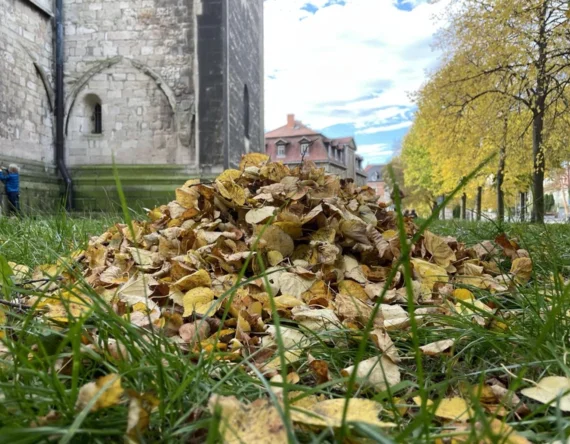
(347,67)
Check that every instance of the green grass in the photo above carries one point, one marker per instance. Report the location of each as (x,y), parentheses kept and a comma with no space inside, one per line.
(49,364)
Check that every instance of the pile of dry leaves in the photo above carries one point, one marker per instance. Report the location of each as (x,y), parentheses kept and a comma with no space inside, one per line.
(213,267)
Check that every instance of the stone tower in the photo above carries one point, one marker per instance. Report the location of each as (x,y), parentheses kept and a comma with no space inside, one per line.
(166,89)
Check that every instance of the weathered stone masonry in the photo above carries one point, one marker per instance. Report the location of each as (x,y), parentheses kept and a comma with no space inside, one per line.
(170,89)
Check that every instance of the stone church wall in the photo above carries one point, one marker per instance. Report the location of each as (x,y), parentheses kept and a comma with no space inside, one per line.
(135,58)
(26,117)
(245,53)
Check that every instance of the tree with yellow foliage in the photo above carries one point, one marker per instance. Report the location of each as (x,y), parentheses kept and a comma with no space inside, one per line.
(519,50)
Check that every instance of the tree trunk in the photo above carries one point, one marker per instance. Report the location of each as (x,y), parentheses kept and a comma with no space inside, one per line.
(464,206)
(523,206)
(478,203)
(500,179)
(538,170)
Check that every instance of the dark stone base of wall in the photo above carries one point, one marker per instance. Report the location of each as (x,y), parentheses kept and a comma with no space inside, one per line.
(40,190)
(144,186)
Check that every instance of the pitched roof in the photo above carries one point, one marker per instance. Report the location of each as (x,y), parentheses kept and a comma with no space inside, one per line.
(342,140)
(293,128)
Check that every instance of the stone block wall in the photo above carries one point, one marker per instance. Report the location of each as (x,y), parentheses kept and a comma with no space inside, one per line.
(26,113)
(212,91)
(134,58)
(26,119)
(230,64)
(245,78)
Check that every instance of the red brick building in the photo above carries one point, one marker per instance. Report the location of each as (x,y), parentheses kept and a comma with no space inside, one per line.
(294,141)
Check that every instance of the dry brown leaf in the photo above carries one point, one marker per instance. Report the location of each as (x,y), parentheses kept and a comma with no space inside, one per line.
(259,215)
(294,285)
(437,348)
(378,373)
(275,239)
(522,269)
(442,254)
(383,341)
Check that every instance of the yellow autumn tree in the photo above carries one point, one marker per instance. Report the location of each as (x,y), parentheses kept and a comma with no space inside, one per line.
(518,50)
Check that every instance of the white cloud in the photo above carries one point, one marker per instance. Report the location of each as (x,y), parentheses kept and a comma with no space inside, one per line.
(386,128)
(352,63)
(376,149)
(375,153)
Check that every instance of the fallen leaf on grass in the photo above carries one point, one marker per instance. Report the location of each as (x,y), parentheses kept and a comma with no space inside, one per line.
(522,269)
(478,432)
(553,390)
(107,388)
(329,413)
(320,369)
(138,419)
(378,373)
(437,348)
(258,422)
(383,341)
(454,409)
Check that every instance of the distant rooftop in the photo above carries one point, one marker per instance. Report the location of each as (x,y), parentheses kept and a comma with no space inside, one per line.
(296,128)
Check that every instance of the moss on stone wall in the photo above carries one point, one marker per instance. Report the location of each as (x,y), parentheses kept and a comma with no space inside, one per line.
(144,186)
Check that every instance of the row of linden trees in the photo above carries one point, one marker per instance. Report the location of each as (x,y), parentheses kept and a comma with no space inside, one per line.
(501,89)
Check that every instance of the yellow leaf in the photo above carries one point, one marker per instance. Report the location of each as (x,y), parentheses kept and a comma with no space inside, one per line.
(553,390)
(429,274)
(329,413)
(253,159)
(274,257)
(231,191)
(258,422)
(353,289)
(522,269)
(442,254)
(188,196)
(199,300)
(199,279)
(389,234)
(229,175)
(140,408)
(287,301)
(462,294)
(107,388)
(455,409)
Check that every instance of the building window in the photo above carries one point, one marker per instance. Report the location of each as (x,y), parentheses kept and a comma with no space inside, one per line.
(280,150)
(304,149)
(246,111)
(97,119)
